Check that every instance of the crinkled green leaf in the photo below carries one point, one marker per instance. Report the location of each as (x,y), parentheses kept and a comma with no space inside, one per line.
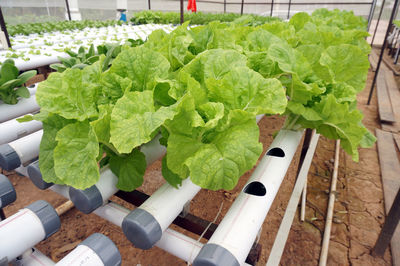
(69,94)
(75,155)
(172,178)
(263,64)
(130,169)
(214,64)
(212,112)
(300,91)
(113,87)
(134,120)
(141,65)
(346,63)
(220,162)
(186,83)
(247,90)
(23,92)
(260,40)
(101,126)
(51,125)
(338,122)
(298,20)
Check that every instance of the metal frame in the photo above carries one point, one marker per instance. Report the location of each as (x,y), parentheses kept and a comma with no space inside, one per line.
(69,11)
(390,225)
(4,28)
(396,4)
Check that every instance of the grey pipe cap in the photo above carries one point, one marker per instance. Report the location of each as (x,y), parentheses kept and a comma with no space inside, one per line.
(47,215)
(9,159)
(141,228)
(36,176)
(215,255)
(86,200)
(104,248)
(7,192)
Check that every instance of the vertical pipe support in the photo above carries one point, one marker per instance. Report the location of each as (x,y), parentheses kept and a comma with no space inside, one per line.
(4,28)
(382,51)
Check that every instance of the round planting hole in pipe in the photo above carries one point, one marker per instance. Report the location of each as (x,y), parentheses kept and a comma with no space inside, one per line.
(255,188)
(277,152)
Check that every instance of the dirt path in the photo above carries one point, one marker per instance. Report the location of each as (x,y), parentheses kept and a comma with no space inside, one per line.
(359,212)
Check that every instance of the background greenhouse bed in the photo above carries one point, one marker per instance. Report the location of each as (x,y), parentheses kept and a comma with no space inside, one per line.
(38,50)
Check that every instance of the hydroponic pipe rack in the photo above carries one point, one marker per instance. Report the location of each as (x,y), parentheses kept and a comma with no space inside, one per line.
(147,226)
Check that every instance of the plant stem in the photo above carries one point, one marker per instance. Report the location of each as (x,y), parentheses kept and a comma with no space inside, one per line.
(290,122)
(112,148)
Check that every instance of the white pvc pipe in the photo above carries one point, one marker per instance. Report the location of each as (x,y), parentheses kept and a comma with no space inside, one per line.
(12,129)
(32,89)
(113,213)
(27,147)
(167,202)
(24,106)
(241,224)
(153,150)
(60,189)
(179,245)
(81,255)
(107,184)
(22,170)
(33,257)
(19,233)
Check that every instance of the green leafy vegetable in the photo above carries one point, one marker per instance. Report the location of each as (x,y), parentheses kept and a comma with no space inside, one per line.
(11,82)
(201,89)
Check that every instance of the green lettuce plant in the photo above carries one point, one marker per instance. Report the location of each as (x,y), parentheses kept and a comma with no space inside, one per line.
(11,82)
(201,89)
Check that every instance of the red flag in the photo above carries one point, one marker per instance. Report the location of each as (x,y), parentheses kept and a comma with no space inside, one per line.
(192,5)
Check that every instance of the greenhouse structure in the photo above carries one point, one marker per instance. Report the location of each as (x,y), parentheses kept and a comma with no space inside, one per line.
(199,132)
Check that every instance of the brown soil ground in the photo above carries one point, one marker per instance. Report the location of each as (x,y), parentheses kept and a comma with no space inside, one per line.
(358,215)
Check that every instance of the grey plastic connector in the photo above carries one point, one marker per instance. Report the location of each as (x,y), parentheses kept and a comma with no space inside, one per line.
(9,159)
(36,176)
(215,255)
(47,215)
(141,228)
(104,248)
(7,192)
(86,200)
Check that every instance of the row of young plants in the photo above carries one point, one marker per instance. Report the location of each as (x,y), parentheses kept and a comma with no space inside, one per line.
(12,82)
(85,57)
(201,89)
(198,18)
(35,47)
(51,26)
